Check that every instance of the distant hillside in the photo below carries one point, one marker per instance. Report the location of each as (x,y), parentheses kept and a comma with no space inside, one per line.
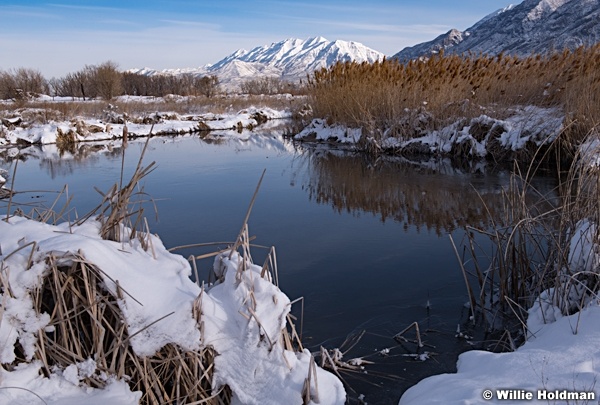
(534,26)
(290,60)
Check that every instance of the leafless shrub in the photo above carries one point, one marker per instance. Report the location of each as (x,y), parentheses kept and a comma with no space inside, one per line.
(22,84)
(268,85)
(135,84)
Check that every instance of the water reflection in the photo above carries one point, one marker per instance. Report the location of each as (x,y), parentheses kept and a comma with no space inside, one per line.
(433,194)
(60,162)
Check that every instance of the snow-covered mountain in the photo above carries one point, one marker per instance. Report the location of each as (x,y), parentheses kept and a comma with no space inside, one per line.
(289,60)
(533,26)
(293,58)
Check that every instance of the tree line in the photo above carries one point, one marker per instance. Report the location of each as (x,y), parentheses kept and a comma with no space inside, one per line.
(104,81)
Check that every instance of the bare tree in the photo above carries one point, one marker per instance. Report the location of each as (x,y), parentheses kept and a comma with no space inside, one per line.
(22,83)
(267,85)
(77,84)
(207,85)
(107,80)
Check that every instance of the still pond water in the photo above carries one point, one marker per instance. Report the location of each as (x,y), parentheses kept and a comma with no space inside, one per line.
(365,242)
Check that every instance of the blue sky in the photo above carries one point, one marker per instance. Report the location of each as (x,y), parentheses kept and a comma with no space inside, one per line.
(63,36)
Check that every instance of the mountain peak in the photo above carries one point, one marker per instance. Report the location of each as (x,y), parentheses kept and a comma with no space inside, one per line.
(292,58)
(534,26)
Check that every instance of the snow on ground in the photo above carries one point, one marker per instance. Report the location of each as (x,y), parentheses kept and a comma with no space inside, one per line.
(163,124)
(318,130)
(243,316)
(563,356)
(528,124)
(25,386)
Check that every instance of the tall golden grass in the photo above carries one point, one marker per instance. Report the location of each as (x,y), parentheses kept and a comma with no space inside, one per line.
(375,96)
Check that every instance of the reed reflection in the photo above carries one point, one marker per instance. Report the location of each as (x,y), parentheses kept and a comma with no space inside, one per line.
(435,194)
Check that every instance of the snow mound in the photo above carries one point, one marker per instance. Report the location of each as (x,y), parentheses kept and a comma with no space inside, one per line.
(241,317)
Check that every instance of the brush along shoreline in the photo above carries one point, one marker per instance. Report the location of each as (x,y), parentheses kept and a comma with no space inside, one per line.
(32,127)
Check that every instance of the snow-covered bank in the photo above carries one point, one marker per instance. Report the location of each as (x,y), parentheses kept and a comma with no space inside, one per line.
(560,361)
(483,136)
(241,317)
(113,125)
(563,356)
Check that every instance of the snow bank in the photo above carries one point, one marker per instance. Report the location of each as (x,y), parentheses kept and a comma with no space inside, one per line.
(245,315)
(561,356)
(242,318)
(25,386)
(318,130)
(564,355)
(477,137)
(158,124)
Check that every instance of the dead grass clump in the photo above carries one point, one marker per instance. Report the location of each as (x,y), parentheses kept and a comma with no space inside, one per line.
(495,149)
(88,324)
(66,141)
(34,115)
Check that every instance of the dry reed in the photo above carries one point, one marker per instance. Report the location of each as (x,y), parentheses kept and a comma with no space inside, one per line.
(534,245)
(379,97)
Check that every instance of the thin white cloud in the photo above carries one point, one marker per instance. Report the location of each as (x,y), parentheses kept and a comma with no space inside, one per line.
(339,8)
(119,22)
(383,28)
(28,12)
(199,24)
(85,8)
